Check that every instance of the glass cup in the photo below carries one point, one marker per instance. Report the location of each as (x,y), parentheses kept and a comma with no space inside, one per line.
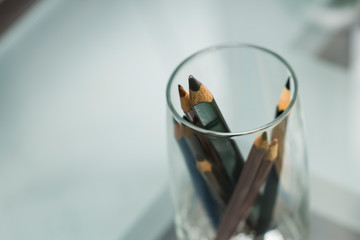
(263,193)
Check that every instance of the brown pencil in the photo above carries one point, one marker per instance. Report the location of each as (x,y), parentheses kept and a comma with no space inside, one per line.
(263,170)
(186,106)
(243,184)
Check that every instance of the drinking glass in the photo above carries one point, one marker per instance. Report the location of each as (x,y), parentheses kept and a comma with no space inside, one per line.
(246,82)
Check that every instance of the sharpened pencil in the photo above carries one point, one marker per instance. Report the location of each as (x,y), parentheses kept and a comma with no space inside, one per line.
(284,100)
(202,149)
(210,117)
(202,145)
(185,105)
(271,188)
(279,131)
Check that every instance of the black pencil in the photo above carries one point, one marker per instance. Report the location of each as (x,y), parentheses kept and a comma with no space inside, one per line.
(272,182)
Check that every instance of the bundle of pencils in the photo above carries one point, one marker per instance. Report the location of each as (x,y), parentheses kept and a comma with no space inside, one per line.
(226,185)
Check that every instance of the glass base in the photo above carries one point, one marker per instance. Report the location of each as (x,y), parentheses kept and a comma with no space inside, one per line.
(290,228)
(270,235)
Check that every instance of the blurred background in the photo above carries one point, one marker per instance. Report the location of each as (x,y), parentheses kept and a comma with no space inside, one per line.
(83,89)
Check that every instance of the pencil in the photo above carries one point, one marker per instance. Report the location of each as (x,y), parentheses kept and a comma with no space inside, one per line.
(199,183)
(272,182)
(210,117)
(202,144)
(263,171)
(244,183)
(279,131)
(211,176)
(201,149)
(186,106)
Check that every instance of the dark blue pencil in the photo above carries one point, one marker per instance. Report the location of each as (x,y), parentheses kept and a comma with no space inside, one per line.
(211,207)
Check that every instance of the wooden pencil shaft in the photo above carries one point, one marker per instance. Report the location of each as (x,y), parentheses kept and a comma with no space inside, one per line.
(244,183)
(238,218)
(279,133)
(248,173)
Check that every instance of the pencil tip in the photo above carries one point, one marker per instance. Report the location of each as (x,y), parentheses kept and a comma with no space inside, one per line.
(194,84)
(288,83)
(272,153)
(182,91)
(264,136)
(274,142)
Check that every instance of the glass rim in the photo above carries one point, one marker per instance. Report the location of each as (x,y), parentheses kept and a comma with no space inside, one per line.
(274,122)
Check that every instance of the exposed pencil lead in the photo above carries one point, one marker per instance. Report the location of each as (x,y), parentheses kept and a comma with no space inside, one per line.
(288,83)
(261,141)
(194,84)
(264,136)
(182,91)
(198,92)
